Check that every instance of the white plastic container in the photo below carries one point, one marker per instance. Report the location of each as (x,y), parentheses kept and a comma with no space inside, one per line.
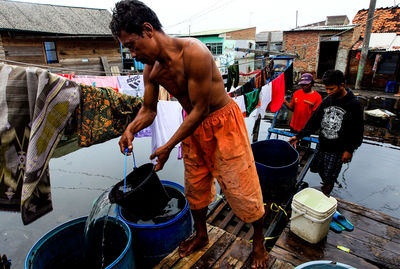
(312,213)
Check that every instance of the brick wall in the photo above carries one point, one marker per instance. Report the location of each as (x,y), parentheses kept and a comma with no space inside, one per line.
(305,44)
(245,34)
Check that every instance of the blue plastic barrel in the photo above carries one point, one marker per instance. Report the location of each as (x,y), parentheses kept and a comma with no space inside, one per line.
(391,87)
(324,265)
(63,247)
(155,241)
(277,163)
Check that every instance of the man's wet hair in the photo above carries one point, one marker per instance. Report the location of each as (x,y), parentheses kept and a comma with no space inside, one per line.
(129,15)
(333,77)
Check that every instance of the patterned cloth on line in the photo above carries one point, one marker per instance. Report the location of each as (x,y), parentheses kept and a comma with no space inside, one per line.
(103,114)
(34,108)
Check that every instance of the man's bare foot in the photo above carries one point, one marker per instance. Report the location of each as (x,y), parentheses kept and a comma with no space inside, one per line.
(260,257)
(192,244)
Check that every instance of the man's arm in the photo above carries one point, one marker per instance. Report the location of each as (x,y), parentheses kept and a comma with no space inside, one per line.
(146,114)
(198,65)
(289,105)
(355,132)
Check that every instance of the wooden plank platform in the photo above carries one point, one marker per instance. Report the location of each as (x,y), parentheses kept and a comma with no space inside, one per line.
(224,250)
(374,243)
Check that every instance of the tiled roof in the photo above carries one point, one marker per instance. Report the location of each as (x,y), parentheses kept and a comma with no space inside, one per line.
(387,20)
(43,18)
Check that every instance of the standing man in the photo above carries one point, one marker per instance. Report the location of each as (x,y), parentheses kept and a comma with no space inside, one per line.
(339,120)
(214,138)
(304,102)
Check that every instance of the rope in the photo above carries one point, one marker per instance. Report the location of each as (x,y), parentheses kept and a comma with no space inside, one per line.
(126,157)
(266,238)
(124,71)
(276,208)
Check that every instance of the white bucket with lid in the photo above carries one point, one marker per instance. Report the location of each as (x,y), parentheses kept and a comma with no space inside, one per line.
(312,213)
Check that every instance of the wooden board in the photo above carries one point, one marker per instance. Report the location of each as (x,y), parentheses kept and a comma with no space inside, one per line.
(224,250)
(374,243)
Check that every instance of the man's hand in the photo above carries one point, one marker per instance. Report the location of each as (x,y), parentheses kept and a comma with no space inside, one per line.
(162,154)
(293,141)
(346,157)
(125,142)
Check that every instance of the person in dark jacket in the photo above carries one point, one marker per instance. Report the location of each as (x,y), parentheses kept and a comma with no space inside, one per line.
(339,119)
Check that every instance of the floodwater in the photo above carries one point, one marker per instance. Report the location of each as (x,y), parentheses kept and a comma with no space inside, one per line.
(79,177)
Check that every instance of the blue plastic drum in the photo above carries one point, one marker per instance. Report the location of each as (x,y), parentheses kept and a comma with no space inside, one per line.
(153,242)
(63,247)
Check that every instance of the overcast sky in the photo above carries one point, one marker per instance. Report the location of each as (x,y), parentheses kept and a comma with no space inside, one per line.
(178,16)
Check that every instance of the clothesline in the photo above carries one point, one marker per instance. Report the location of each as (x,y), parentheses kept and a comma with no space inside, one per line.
(124,71)
(259,92)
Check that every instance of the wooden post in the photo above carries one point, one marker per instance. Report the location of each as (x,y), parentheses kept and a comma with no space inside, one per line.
(106,66)
(364,51)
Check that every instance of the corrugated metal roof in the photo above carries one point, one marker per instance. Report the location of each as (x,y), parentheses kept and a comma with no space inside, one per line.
(22,16)
(325,28)
(378,41)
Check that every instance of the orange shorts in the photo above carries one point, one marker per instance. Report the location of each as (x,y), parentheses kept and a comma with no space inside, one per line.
(220,149)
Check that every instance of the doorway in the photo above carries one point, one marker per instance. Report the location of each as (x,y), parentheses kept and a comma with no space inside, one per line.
(327,56)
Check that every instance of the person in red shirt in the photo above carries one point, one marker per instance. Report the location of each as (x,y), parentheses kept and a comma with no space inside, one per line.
(304,102)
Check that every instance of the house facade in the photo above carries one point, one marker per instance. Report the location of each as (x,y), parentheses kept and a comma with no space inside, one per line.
(58,37)
(320,48)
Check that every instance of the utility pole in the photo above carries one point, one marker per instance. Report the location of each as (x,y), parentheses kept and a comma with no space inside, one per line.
(297,15)
(364,51)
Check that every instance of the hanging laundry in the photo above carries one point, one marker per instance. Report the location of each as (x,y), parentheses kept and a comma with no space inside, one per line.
(233,76)
(169,118)
(131,85)
(237,92)
(253,83)
(103,114)
(146,132)
(252,101)
(240,102)
(283,83)
(265,98)
(68,76)
(100,81)
(258,80)
(34,108)
(248,87)
(163,94)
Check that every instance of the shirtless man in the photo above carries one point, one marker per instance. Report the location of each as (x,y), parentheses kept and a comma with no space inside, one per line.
(214,138)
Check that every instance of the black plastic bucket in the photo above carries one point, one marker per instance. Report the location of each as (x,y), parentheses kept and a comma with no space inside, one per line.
(145,196)
(277,164)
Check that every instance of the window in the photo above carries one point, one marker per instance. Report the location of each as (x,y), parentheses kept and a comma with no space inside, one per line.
(51,53)
(215,48)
